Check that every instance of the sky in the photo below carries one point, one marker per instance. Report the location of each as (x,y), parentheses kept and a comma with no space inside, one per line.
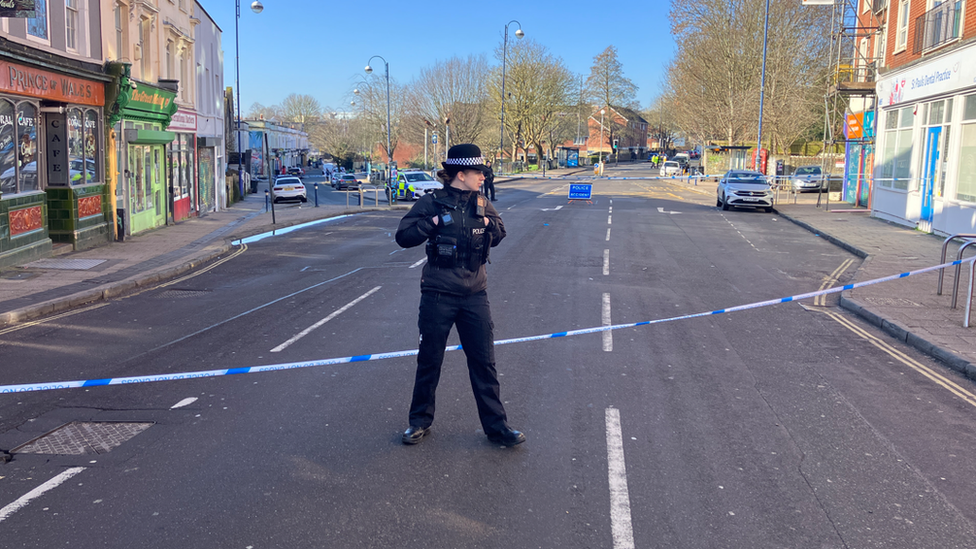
(320,47)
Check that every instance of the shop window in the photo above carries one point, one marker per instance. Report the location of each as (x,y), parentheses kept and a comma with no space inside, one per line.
(897,153)
(966,175)
(92,165)
(76,146)
(8,149)
(37,26)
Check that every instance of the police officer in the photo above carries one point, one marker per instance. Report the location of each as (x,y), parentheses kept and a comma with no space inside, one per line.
(459,226)
(490,183)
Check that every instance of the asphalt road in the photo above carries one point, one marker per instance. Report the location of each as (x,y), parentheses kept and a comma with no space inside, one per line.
(793,425)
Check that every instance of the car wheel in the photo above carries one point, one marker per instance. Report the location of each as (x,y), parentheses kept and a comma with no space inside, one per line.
(718,202)
(769,209)
(725,204)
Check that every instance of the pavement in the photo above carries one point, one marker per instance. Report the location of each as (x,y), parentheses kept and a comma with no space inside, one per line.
(907,309)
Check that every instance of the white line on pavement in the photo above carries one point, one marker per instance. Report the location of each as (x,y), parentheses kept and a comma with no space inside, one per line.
(608,234)
(620,524)
(23,500)
(185,402)
(606,262)
(607,335)
(610,220)
(417,264)
(308,330)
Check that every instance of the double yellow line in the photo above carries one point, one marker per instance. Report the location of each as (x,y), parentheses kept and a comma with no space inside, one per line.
(938,378)
(821,300)
(9,329)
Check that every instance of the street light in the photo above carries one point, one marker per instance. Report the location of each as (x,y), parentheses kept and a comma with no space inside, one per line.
(501,142)
(256,7)
(389,154)
(601,140)
(762,89)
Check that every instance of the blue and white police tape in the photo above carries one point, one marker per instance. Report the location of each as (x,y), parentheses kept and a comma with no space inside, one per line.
(397,354)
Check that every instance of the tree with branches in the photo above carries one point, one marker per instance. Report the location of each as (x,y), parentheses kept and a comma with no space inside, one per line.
(607,84)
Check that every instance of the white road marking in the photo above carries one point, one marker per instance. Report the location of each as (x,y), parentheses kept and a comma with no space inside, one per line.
(23,500)
(184,402)
(556,209)
(620,524)
(308,330)
(608,234)
(660,209)
(609,220)
(606,262)
(607,335)
(303,270)
(417,264)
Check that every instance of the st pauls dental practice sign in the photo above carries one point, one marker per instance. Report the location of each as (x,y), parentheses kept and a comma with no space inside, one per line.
(953,71)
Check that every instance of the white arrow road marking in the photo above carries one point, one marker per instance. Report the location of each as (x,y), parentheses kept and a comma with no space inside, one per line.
(664,212)
(23,500)
(620,523)
(556,209)
(308,330)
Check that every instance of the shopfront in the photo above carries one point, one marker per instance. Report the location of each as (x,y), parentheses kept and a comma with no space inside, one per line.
(52,188)
(181,163)
(142,113)
(924,169)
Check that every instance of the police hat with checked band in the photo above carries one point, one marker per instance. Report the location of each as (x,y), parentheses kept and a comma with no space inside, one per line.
(466,156)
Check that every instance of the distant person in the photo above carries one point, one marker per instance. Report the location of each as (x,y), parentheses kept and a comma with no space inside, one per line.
(490,183)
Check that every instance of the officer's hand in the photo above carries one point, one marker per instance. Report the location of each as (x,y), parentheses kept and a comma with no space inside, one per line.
(436,219)
(486,221)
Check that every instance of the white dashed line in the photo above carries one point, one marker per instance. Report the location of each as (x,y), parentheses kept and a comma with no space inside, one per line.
(608,234)
(417,264)
(620,523)
(609,220)
(23,500)
(607,335)
(184,402)
(606,262)
(308,330)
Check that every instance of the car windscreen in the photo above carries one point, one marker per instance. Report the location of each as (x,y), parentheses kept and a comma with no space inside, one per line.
(418,177)
(808,170)
(671,164)
(746,178)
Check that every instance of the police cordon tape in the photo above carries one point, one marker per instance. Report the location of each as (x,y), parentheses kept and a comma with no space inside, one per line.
(397,354)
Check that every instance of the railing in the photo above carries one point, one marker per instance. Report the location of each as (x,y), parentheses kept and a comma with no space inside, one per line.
(938,25)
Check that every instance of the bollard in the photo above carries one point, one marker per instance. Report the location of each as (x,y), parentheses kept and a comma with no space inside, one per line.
(316,186)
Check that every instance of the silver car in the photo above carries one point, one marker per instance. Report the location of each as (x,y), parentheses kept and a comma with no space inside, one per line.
(743,188)
(807,178)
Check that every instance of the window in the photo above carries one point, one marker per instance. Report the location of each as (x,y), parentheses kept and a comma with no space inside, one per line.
(880,42)
(145,39)
(966,174)
(71,24)
(169,59)
(18,142)
(37,26)
(901,40)
(119,42)
(897,154)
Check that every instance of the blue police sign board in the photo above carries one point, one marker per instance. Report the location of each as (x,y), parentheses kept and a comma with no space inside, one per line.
(580,192)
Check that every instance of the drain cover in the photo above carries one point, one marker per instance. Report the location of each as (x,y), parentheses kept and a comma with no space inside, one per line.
(80,438)
(65,264)
(176,293)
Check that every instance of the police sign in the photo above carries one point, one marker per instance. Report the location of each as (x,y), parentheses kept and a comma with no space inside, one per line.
(580,192)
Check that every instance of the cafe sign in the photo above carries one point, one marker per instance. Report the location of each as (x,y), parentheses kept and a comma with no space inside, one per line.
(24,80)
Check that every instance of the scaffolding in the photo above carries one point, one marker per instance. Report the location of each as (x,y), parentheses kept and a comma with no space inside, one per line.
(856,54)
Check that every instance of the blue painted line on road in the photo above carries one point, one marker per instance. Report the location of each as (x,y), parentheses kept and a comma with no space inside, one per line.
(286,230)
(50,386)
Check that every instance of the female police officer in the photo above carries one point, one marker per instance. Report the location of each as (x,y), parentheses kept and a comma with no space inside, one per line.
(459,226)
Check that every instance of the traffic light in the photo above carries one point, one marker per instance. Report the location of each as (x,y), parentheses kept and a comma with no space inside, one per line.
(615,143)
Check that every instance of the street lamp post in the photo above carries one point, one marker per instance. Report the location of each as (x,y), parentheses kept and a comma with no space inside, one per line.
(501,142)
(389,153)
(762,88)
(256,7)
(601,140)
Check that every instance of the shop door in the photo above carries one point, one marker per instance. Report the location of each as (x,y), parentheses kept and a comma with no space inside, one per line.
(158,182)
(930,170)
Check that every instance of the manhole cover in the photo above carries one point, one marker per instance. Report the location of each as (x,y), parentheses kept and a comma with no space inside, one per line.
(175,293)
(19,276)
(65,264)
(80,438)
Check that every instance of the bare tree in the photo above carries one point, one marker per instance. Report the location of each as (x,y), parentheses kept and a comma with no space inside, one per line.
(301,109)
(371,98)
(260,112)
(607,84)
(452,90)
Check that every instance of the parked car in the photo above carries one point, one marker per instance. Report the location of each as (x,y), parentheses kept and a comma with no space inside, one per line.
(421,182)
(670,168)
(289,188)
(345,181)
(807,178)
(362,178)
(296,170)
(744,188)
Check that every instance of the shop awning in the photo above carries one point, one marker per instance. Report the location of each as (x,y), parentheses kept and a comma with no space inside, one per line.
(149,137)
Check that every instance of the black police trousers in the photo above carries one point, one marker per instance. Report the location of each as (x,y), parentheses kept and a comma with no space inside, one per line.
(438,313)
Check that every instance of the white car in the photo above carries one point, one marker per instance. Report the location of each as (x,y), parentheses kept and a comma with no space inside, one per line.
(421,182)
(807,178)
(744,188)
(670,168)
(289,188)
